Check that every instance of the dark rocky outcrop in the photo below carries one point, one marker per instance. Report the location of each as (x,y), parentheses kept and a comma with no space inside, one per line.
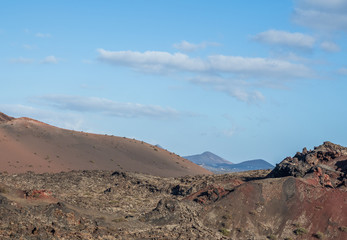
(326,163)
(4,117)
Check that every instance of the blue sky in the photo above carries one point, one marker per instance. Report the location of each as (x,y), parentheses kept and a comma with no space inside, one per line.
(242,79)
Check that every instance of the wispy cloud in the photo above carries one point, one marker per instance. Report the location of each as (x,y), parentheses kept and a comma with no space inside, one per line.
(106,106)
(321,14)
(43,35)
(343,71)
(185,46)
(153,61)
(287,39)
(22,60)
(330,46)
(239,89)
(163,61)
(50,60)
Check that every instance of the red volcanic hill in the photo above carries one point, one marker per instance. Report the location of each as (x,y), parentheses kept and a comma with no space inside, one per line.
(30,145)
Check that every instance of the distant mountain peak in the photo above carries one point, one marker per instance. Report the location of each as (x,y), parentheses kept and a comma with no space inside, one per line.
(207,158)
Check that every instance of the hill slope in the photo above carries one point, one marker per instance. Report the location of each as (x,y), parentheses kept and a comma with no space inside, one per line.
(30,145)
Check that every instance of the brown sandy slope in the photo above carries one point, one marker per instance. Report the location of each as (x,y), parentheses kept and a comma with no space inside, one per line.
(30,145)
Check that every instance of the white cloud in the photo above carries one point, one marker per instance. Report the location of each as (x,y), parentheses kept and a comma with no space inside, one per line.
(330,46)
(321,14)
(217,72)
(22,60)
(106,106)
(50,59)
(153,60)
(258,67)
(165,62)
(283,38)
(43,35)
(191,47)
(239,89)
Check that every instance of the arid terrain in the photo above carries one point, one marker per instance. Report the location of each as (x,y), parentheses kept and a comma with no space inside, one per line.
(303,197)
(30,145)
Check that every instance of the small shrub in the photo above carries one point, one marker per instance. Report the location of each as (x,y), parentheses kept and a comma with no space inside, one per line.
(91,161)
(224,231)
(300,231)
(271,237)
(318,235)
(3,190)
(343,229)
(253,212)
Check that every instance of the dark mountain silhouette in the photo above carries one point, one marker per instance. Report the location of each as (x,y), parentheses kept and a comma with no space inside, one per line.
(207,158)
(216,164)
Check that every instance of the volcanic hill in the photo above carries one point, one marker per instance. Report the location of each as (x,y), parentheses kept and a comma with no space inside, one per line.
(303,197)
(30,145)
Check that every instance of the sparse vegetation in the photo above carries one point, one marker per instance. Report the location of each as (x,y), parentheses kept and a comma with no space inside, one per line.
(253,212)
(300,231)
(224,231)
(318,235)
(117,220)
(272,237)
(3,189)
(343,229)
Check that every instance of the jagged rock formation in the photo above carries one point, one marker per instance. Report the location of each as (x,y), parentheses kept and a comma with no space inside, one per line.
(326,163)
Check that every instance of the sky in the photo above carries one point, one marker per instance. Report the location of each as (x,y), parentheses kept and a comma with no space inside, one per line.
(242,79)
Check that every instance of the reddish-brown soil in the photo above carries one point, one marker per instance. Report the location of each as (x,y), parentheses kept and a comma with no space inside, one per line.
(30,145)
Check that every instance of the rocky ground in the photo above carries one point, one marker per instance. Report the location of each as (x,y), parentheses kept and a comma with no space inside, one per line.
(304,197)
